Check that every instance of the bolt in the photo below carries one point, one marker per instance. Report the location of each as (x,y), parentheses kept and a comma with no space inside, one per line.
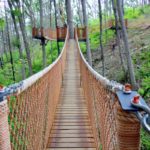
(128,87)
(136,99)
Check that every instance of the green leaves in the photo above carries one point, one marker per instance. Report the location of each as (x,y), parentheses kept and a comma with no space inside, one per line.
(16,12)
(145,140)
(2,23)
(142,60)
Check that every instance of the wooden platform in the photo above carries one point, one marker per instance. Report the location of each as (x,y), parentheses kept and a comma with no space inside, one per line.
(71,129)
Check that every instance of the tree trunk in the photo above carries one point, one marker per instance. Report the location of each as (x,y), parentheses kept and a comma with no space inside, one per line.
(42,40)
(78,2)
(9,45)
(118,36)
(101,34)
(69,18)
(1,62)
(4,46)
(22,27)
(122,6)
(126,45)
(19,42)
(85,20)
(56,24)
(17,6)
(51,52)
(106,17)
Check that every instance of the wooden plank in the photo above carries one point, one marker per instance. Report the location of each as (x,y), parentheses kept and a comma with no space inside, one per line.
(72,140)
(71,124)
(60,127)
(71,145)
(73,121)
(71,149)
(74,135)
(71,131)
(70,110)
(71,115)
(71,127)
(77,106)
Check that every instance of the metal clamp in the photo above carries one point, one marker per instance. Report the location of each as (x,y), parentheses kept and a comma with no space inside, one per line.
(144,118)
(132,102)
(6,91)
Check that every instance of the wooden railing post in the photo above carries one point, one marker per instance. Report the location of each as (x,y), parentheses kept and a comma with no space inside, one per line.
(4,127)
(128,130)
(34,32)
(42,31)
(126,23)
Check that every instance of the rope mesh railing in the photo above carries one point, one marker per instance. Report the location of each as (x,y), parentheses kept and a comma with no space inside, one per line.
(32,109)
(114,129)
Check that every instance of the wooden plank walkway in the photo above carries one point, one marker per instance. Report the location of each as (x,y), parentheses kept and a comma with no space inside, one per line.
(71,128)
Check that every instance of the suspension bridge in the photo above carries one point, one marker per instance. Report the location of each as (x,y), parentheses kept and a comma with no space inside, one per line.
(68,105)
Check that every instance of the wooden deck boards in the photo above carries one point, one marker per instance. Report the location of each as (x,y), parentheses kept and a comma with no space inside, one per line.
(71,128)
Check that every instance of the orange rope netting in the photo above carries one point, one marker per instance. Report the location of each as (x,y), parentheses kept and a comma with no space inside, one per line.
(114,129)
(32,110)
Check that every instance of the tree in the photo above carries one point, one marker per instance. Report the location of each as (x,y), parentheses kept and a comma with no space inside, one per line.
(28,4)
(69,18)
(17,7)
(9,45)
(78,3)
(43,39)
(85,21)
(18,40)
(101,34)
(4,44)
(126,45)
(118,36)
(51,27)
(56,25)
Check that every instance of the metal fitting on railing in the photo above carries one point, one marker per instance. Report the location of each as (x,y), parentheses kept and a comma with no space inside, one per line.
(4,127)
(6,91)
(132,101)
(114,86)
(143,117)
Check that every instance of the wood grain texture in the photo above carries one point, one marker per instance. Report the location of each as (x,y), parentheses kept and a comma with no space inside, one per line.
(71,128)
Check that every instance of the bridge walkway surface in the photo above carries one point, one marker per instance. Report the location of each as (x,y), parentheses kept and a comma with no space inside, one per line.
(71,128)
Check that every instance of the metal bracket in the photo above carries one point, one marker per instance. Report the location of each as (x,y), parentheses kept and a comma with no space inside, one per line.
(126,98)
(127,104)
(6,91)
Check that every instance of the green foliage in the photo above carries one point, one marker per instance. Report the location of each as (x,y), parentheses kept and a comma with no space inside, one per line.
(2,23)
(16,12)
(36,53)
(145,140)
(133,13)
(83,47)
(15,42)
(142,60)
(95,38)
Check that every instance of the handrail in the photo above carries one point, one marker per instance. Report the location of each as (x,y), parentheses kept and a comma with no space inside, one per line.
(23,85)
(113,127)
(31,80)
(32,107)
(112,85)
